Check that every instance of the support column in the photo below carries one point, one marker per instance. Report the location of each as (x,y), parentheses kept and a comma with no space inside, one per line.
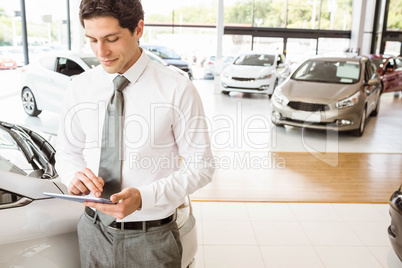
(24,32)
(218,58)
(362,26)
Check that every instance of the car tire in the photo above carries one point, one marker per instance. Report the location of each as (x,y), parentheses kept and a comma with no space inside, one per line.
(29,102)
(225,92)
(362,125)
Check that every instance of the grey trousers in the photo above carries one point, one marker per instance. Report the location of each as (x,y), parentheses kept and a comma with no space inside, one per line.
(104,247)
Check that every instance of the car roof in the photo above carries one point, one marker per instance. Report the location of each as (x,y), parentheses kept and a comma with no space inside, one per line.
(258,52)
(340,58)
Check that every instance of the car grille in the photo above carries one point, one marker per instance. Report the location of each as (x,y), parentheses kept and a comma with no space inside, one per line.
(243,79)
(245,88)
(309,107)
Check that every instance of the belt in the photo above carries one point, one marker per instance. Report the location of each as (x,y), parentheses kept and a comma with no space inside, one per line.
(133,225)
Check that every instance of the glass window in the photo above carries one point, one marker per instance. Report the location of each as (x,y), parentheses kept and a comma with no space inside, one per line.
(191,44)
(332,46)
(180,12)
(303,14)
(255,60)
(298,50)
(236,44)
(344,72)
(336,15)
(269,13)
(394,21)
(392,47)
(46,27)
(269,45)
(238,12)
(68,67)
(398,62)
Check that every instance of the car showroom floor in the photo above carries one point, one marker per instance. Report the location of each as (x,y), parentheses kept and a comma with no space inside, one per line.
(237,231)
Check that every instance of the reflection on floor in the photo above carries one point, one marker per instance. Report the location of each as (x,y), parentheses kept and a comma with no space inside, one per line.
(247,234)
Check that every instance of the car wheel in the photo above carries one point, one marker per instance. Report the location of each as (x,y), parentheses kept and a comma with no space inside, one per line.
(29,102)
(225,92)
(359,132)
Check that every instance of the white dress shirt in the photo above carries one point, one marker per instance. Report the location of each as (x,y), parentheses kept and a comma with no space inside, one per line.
(163,119)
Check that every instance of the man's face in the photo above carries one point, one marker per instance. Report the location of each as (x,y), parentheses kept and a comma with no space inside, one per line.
(115,47)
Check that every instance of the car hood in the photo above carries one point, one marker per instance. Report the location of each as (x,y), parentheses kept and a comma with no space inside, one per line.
(28,186)
(248,71)
(325,93)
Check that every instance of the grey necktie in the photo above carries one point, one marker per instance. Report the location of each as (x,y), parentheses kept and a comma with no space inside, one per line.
(111,152)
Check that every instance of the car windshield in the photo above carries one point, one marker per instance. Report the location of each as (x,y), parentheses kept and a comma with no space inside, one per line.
(342,71)
(91,61)
(255,60)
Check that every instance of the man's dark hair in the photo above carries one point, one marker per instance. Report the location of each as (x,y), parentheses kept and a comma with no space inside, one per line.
(127,12)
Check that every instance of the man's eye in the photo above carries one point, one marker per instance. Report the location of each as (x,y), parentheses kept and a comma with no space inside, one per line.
(92,40)
(113,40)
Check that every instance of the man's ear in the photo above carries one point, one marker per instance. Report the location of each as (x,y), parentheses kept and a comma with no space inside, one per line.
(139,30)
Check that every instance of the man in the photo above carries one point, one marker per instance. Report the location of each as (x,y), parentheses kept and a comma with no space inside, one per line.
(165,145)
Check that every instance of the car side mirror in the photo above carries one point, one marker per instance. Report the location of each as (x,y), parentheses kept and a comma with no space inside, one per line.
(373,82)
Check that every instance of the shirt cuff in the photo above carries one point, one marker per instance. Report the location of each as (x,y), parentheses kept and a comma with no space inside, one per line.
(147,197)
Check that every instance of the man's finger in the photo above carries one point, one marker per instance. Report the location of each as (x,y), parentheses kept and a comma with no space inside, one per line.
(120,196)
(90,183)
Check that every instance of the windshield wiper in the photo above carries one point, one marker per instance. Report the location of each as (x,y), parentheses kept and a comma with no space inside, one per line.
(37,150)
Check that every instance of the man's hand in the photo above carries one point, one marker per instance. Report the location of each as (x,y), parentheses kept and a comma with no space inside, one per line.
(128,201)
(85,182)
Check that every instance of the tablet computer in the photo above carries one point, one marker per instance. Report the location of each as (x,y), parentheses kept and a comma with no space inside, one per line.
(80,198)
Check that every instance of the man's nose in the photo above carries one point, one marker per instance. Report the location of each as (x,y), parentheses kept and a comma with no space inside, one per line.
(103,49)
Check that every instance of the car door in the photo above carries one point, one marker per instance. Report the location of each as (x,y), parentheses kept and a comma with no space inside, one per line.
(398,73)
(390,77)
(65,68)
(372,91)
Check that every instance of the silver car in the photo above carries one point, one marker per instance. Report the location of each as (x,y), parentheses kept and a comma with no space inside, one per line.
(40,231)
(329,93)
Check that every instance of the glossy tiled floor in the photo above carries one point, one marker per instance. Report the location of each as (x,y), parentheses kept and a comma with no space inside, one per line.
(303,235)
(257,234)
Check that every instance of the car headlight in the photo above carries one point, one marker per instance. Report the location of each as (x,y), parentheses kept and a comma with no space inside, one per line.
(264,77)
(279,97)
(348,102)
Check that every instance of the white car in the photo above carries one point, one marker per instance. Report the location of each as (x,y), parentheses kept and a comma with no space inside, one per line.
(41,231)
(209,65)
(255,72)
(45,81)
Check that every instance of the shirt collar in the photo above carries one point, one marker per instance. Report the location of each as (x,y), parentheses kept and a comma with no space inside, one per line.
(135,71)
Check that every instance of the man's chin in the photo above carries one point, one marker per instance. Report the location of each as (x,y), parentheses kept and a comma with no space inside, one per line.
(110,69)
